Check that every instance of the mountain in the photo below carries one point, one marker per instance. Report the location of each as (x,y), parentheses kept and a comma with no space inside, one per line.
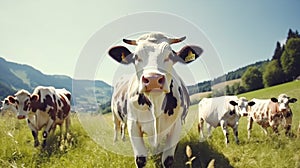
(19,76)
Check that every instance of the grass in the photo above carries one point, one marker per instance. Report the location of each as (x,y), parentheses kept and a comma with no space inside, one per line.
(90,143)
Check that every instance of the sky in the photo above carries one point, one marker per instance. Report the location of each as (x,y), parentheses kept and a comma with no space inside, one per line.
(53,36)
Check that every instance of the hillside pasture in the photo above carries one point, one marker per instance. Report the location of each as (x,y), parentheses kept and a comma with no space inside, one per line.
(90,143)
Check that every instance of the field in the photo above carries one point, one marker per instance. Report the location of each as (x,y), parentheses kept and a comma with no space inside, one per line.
(90,143)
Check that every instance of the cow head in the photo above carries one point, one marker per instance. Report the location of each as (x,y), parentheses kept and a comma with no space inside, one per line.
(283,102)
(7,105)
(242,105)
(21,101)
(153,59)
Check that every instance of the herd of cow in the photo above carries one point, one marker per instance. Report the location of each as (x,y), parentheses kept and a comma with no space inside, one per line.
(153,102)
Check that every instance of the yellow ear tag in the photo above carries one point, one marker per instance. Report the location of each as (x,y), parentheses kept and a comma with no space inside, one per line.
(190,57)
(124,58)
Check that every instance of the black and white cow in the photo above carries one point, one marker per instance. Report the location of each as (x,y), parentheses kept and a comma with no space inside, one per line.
(45,107)
(155,100)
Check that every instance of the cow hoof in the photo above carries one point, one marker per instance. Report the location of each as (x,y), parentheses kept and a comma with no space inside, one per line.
(140,161)
(36,143)
(44,144)
(169,161)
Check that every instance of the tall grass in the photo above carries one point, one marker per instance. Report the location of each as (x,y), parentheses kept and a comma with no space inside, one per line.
(80,150)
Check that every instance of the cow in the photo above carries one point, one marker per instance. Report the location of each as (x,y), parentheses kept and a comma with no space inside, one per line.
(222,111)
(155,100)
(45,107)
(271,113)
(7,106)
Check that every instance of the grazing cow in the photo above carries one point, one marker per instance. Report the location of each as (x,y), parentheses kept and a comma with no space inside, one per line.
(154,101)
(46,106)
(271,113)
(222,111)
(7,106)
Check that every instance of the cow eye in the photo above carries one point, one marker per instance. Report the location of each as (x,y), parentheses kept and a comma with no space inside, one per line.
(137,58)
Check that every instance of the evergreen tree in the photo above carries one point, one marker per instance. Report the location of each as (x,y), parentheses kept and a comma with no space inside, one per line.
(278,51)
(290,59)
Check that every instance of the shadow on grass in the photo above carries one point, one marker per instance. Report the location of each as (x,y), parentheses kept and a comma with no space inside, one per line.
(203,153)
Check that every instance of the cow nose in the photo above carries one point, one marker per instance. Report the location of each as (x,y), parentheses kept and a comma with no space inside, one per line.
(20,117)
(153,81)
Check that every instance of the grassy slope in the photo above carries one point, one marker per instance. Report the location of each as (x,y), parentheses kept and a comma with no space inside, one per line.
(79,150)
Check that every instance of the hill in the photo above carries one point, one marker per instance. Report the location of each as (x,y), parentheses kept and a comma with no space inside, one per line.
(207,86)
(19,76)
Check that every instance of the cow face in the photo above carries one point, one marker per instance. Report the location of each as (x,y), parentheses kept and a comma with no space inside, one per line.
(21,101)
(283,102)
(242,106)
(153,59)
(7,105)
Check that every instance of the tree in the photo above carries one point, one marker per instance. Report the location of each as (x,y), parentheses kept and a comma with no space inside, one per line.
(273,74)
(290,59)
(278,51)
(252,79)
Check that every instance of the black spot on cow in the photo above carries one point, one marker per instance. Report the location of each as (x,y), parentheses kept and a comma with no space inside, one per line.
(232,112)
(169,102)
(142,100)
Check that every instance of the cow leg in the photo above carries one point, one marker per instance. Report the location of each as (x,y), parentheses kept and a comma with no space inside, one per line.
(249,126)
(200,128)
(171,143)
(68,123)
(35,137)
(288,125)
(47,131)
(116,127)
(34,133)
(208,130)
(137,142)
(123,127)
(236,133)
(225,130)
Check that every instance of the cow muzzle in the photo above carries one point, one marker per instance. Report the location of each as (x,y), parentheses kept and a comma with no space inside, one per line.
(20,117)
(153,82)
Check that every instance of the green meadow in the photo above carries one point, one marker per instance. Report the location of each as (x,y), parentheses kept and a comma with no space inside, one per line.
(90,143)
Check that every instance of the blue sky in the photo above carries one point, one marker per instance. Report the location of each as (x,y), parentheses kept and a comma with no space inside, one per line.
(50,35)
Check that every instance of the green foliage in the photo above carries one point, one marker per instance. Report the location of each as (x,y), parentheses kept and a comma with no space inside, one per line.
(273,74)
(252,79)
(290,59)
(278,51)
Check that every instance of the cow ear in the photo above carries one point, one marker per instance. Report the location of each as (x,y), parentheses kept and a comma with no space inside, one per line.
(273,99)
(34,98)
(121,54)
(233,103)
(251,103)
(292,100)
(189,53)
(12,99)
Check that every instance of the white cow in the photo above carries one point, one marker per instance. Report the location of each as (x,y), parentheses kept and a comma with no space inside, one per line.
(222,111)
(155,100)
